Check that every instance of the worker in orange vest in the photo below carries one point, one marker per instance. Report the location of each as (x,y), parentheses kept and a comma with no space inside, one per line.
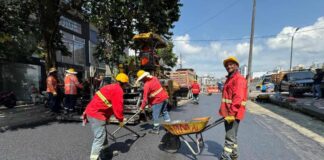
(154,96)
(71,83)
(195,89)
(106,102)
(232,107)
(52,90)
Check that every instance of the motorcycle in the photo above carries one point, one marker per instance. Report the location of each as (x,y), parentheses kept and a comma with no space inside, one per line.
(8,99)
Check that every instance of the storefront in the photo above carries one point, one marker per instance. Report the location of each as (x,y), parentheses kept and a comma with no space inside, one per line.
(75,36)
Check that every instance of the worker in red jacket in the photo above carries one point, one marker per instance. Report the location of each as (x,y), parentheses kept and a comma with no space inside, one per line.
(195,89)
(106,102)
(154,96)
(232,107)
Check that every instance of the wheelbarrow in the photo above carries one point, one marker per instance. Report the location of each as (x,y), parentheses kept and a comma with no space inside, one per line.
(177,130)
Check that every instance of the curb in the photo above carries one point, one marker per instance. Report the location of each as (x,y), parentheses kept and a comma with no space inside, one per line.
(296,107)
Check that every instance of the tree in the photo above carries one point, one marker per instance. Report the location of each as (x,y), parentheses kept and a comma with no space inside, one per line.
(51,39)
(18,33)
(118,20)
(32,26)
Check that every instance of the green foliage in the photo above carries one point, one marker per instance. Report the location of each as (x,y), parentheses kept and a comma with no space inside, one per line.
(18,34)
(169,58)
(118,20)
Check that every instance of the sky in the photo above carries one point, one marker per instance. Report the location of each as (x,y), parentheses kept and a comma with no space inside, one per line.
(208,31)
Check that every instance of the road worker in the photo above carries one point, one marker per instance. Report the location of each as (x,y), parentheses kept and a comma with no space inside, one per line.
(52,90)
(106,102)
(154,96)
(71,83)
(232,107)
(195,89)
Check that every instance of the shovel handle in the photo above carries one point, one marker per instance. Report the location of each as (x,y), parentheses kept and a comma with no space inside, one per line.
(139,111)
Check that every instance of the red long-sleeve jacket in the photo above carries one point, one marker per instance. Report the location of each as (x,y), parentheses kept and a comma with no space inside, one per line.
(153,92)
(195,88)
(234,96)
(99,110)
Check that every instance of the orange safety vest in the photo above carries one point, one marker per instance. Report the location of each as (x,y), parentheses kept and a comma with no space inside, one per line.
(71,83)
(51,84)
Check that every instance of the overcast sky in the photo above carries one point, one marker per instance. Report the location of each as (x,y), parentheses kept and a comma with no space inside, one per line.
(209,31)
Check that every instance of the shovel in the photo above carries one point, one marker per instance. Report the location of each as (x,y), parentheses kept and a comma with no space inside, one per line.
(137,134)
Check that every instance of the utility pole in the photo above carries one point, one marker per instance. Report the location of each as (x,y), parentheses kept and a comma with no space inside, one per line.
(251,49)
(180,60)
(291,47)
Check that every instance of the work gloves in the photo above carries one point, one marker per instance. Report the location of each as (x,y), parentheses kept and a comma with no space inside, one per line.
(229,119)
(84,119)
(121,124)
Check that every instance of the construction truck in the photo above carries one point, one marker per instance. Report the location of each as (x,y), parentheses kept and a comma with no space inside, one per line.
(212,89)
(184,77)
(148,60)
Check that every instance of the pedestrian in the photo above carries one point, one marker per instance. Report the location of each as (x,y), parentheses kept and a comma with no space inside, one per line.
(34,93)
(106,102)
(52,90)
(195,89)
(318,78)
(154,96)
(71,83)
(232,107)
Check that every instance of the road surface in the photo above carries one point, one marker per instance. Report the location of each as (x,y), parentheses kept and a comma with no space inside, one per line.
(263,134)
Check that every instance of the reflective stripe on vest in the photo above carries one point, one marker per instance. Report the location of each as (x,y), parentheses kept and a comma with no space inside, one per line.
(156,92)
(229,101)
(103,98)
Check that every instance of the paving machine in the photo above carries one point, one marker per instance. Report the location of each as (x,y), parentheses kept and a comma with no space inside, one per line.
(147,59)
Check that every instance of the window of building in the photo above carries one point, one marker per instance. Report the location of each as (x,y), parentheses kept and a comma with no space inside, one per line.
(76,46)
(70,24)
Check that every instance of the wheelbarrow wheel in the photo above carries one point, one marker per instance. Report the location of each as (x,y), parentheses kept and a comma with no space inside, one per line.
(170,143)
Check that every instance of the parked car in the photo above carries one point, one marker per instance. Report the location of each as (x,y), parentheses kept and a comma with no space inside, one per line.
(297,82)
(265,85)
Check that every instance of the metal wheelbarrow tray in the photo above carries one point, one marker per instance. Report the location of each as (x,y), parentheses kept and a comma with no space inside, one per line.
(177,130)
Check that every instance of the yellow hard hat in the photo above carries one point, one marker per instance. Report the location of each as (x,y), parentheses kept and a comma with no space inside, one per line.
(122,77)
(53,69)
(140,73)
(231,58)
(71,70)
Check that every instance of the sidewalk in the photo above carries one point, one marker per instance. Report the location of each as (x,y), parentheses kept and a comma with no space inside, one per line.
(305,104)
(24,116)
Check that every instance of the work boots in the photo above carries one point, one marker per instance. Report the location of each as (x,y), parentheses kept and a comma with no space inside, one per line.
(155,130)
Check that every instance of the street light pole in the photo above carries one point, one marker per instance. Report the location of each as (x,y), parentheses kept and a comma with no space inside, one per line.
(291,47)
(251,49)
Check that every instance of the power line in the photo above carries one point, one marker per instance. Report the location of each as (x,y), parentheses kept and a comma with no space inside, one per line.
(212,17)
(246,38)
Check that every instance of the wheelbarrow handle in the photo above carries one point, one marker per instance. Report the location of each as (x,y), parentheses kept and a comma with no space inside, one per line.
(217,122)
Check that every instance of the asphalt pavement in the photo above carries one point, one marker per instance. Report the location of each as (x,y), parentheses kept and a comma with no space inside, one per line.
(261,136)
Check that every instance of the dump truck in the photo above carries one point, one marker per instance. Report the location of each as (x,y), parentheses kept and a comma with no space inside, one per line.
(184,77)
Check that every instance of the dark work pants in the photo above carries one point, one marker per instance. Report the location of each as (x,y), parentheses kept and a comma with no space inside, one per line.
(230,146)
(70,101)
(53,102)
